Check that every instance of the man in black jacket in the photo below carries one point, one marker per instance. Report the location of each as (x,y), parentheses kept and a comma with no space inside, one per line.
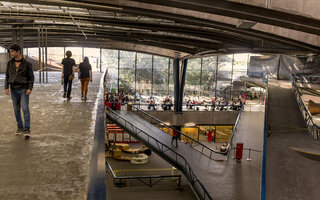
(68,69)
(20,78)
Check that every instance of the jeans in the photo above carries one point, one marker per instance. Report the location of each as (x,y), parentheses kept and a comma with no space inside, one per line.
(21,100)
(67,84)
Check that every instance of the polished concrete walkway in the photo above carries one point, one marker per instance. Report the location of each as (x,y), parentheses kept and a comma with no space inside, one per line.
(224,180)
(289,174)
(54,162)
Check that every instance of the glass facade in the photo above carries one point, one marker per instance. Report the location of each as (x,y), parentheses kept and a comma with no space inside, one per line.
(127,72)
(109,61)
(144,78)
(93,55)
(150,75)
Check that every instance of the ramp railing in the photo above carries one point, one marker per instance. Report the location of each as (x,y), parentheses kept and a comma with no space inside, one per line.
(313,128)
(234,131)
(166,152)
(205,150)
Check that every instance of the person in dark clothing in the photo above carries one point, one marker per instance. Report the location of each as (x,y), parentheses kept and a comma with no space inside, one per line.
(20,79)
(68,68)
(175,137)
(85,75)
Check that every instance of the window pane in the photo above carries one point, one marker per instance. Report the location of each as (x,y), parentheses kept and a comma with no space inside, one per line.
(208,79)
(110,63)
(160,76)
(192,84)
(94,57)
(171,81)
(225,63)
(55,56)
(127,72)
(144,74)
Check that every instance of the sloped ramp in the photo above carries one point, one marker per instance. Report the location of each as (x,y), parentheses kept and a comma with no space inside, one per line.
(309,153)
(289,175)
(223,180)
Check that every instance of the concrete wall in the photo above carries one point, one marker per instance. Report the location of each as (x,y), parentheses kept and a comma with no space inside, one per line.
(199,118)
(4,57)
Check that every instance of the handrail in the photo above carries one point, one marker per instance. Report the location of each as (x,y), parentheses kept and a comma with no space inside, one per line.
(234,131)
(313,128)
(120,178)
(264,157)
(192,141)
(163,149)
(194,105)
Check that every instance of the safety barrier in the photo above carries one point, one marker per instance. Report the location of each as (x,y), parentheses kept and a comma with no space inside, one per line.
(207,151)
(162,149)
(264,157)
(313,129)
(234,132)
(195,107)
(123,181)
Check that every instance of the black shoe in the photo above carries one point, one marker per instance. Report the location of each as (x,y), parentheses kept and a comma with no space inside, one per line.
(64,95)
(26,133)
(19,131)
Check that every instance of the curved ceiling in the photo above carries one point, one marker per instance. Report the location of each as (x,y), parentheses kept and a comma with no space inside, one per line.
(173,28)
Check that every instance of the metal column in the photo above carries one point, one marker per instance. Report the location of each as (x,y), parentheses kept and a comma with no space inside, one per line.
(42,52)
(118,84)
(176,75)
(100,58)
(39,49)
(179,80)
(183,78)
(135,74)
(46,55)
(152,60)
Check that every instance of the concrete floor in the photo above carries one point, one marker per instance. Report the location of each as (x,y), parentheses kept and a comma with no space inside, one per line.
(156,166)
(54,162)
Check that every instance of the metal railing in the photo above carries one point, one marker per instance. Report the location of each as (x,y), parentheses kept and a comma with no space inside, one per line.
(264,157)
(195,107)
(162,149)
(234,132)
(207,151)
(123,181)
(313,128)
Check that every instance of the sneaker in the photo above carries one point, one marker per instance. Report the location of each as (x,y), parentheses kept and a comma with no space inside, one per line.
(64,95)
(26,133)
(19,131)
(69,98)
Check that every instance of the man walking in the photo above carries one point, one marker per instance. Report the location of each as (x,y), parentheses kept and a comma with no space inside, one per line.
(175,137)
(20,79)
(68,69)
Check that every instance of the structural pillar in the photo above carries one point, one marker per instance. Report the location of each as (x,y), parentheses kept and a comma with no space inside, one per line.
(179,73)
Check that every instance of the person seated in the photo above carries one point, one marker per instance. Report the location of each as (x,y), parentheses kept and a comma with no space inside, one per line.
(189,104)
(164,103)
(193,103)
(224,147)
(169,104)
(152,105)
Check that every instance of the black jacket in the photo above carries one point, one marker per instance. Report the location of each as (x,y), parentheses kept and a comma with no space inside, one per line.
(22,78)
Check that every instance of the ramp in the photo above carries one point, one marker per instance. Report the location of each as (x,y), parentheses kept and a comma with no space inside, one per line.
(210,179)
(289,175)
